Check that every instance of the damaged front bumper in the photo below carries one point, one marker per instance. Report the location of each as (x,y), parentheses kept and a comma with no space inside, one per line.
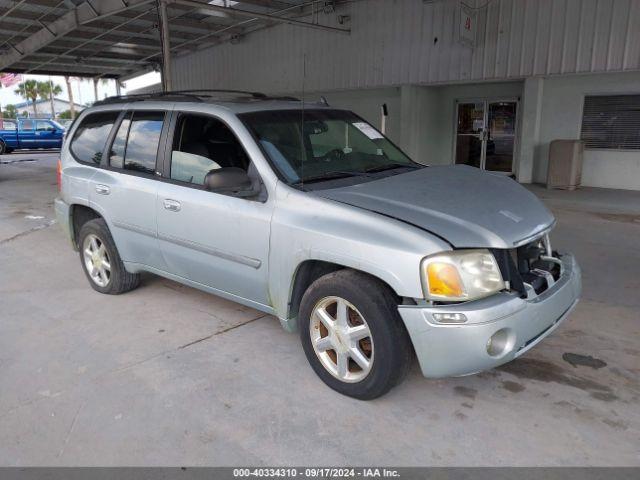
(498,328)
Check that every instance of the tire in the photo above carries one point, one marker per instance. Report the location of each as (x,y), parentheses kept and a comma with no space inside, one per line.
(3,148)
(95,237)
(369,303)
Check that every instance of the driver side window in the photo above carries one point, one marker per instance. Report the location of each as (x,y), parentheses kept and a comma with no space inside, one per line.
(202,144)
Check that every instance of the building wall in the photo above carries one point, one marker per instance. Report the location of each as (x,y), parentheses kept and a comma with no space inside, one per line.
(407,53)
(402,42)
(44,108)
(561,118)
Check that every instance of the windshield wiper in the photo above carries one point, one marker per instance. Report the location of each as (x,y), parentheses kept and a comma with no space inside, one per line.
(390,166)
(330,176)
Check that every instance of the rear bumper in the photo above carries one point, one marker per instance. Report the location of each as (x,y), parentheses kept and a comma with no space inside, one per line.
(64,219)
(455,350)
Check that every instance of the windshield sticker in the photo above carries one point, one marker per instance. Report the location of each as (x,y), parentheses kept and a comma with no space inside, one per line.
(368,130)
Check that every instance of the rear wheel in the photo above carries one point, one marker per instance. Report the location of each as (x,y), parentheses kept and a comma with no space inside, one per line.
(352,334)
(101,262)
(3,148)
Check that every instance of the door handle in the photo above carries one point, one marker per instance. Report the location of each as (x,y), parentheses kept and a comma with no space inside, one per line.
(171,205)
(103,189)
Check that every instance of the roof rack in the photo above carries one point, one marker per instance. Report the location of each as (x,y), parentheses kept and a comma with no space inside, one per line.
(251,95)
(197,95)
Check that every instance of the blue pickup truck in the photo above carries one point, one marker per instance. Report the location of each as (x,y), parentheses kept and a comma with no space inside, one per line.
(29,133)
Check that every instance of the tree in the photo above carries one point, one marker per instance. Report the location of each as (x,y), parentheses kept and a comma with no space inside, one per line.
(48,90)
(96,80)
(10,111)
(72,109)
(65,115)
(29,91)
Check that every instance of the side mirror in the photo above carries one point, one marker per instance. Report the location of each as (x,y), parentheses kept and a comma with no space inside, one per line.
(230,181)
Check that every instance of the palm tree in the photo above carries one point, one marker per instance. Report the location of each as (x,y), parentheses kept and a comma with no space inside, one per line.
(10,111)
(48,90)
(102,81)
(72,109)
(29,91)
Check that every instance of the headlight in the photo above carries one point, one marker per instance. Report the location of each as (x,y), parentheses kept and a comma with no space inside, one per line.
(460,275)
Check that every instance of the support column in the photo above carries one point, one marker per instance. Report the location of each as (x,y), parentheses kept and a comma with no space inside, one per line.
(529,128)
(166,48)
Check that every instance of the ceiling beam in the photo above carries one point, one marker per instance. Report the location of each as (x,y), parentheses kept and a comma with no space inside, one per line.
(262,16)
(83,14)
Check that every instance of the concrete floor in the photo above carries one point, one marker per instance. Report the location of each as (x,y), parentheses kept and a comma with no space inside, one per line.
(167,375)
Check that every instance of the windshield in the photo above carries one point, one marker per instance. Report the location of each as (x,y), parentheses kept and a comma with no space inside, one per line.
(331,144)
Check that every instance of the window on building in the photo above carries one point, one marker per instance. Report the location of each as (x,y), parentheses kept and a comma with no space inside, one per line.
(91,135)
(611,122)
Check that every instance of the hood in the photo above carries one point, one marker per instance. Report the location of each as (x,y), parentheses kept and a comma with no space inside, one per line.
(464,205)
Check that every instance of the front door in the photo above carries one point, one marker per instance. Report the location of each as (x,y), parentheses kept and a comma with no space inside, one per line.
(213,239)
(46,135)
(486,133)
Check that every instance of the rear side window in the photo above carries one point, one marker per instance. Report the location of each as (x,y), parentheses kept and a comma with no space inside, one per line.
(135,146)
(91,135)
(27,125)
(119,145)
(8,125)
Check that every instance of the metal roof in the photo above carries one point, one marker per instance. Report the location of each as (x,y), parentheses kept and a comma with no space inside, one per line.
(121,38)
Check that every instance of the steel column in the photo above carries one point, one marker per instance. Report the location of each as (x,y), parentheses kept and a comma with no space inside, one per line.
(166,47)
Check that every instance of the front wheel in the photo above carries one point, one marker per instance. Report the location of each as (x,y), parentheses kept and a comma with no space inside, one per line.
(352,334)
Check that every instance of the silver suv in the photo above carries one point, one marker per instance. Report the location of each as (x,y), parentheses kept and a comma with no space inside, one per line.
(310,214)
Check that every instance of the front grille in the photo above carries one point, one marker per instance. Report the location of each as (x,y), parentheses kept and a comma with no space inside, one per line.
(523,265)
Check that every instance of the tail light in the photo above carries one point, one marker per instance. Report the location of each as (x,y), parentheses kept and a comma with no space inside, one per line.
(59,174)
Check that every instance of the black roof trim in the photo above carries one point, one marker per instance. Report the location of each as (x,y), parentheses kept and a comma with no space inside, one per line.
(198,95)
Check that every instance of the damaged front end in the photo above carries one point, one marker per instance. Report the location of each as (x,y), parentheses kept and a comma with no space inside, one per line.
(530,269)
(542,286)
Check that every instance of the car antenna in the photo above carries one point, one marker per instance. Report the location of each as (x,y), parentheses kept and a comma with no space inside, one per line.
(302,152)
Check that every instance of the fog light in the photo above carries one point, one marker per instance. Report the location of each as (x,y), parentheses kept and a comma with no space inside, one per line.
(450,317)
(500,343)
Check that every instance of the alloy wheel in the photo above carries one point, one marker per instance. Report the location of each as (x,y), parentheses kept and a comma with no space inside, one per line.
(341,339)
(96,260)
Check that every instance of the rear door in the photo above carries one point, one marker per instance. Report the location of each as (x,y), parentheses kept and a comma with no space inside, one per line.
(27,133)
(127,185)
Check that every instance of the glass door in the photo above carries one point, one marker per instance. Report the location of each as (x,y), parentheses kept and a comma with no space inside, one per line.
(486,134)
(470,134)
(501,136)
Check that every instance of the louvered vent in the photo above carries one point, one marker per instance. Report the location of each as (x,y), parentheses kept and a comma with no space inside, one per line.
(611,122)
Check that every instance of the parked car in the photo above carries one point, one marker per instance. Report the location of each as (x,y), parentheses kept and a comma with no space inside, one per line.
(29,133)
(65,122)
(312,215)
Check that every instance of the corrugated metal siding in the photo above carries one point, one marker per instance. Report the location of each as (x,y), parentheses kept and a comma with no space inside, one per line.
(395,42)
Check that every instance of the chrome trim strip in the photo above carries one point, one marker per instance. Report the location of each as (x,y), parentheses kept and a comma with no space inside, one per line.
(135,228)
(250,262)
